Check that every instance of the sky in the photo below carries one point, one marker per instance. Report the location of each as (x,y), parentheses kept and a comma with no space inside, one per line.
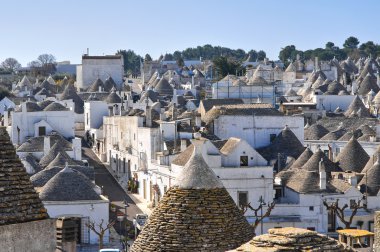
(66,28)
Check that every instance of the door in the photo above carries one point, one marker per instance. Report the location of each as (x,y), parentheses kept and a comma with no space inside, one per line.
(42,131)
(124,165)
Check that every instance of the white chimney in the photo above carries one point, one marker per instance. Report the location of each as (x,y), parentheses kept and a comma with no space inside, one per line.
(110,111)
(175,98)
(77,148)
(322,176)
(198,121)
(148,117)
(46,144)
(183,145)
(353,180)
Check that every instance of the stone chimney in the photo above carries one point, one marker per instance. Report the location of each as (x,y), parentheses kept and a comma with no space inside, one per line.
(115,109)
(148,117)
(174,115)
(46,144)
(175,98)
(322,176)
(77,148)
(198,121)
(110,111)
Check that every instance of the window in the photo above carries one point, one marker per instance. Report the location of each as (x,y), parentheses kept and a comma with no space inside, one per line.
(278,193)
(311,208)
(87,118)
(311,228)
(331,221)
(337,150)
(272,137)
(243,160)
(242,198)
(352,203)
(165,188)
(42,131)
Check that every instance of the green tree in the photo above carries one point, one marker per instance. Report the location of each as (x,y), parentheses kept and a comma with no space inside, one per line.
(368,48)
(224,65)
(147,58)
(287,53)
(252,54)
(177,55)
(131,61)
(10,65)
(261,55)
(329,45)
(180,62)
(351,43)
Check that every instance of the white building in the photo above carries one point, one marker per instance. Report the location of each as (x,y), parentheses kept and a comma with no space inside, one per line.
(102,67)
(256,123)
(31,120)
(6,104)
(72,194)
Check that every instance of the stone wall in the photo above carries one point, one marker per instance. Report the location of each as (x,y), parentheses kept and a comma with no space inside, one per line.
(293,239)
(376,244)
(35,236)
(194,220)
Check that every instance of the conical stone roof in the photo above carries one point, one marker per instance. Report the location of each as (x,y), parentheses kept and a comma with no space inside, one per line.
(42,177)
(291,68)
(334,135)
(196,214)
(368,84)
(353,157)
(61,160)
(19,201)
(285,143)
(95,85)
(70,93)
(313,163)
(257,80)
(163,87)
(68,185)
(113,97)
(315,132)
(109,84)
(24,82)
(357,108)
(371,179)
(301,160)
(51,155)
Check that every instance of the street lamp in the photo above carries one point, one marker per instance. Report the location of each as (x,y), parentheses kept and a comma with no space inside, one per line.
(262,203)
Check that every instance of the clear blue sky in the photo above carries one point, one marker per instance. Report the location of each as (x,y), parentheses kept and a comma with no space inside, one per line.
(65,28)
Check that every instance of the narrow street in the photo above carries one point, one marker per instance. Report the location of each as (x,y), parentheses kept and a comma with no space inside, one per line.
(113,191)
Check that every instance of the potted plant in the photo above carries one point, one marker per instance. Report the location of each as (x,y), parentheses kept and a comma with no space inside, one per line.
(113,207)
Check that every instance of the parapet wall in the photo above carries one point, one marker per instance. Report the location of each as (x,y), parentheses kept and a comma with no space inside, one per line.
(34,236)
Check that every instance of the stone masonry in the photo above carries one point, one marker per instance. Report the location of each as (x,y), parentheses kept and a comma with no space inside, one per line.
(194,220)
